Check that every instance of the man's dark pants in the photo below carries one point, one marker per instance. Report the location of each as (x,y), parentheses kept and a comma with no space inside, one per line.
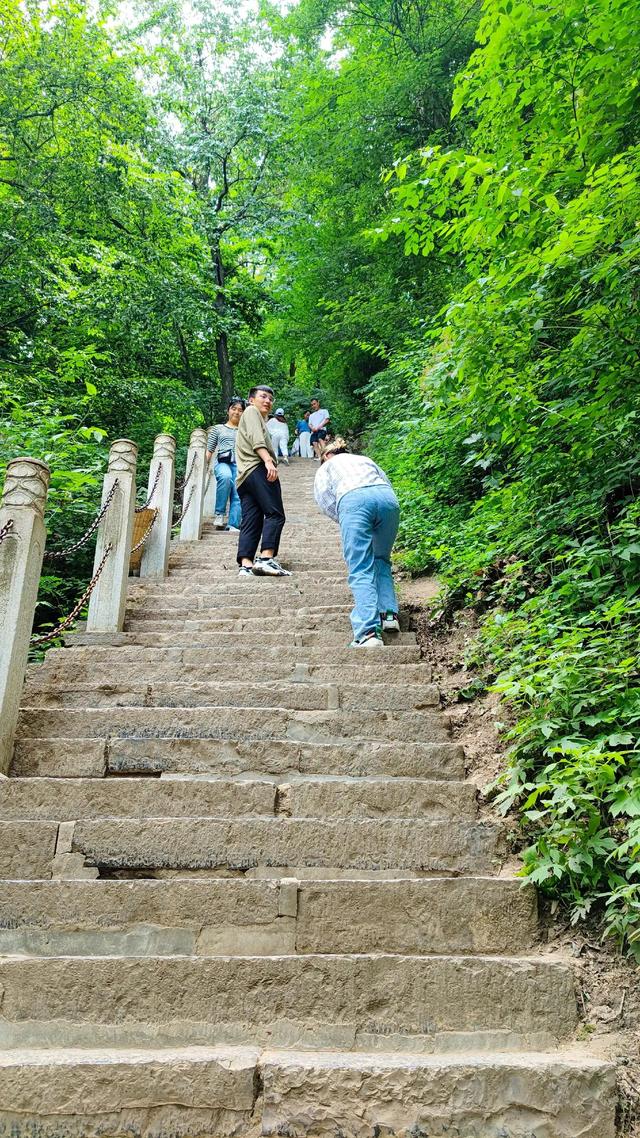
(262,513)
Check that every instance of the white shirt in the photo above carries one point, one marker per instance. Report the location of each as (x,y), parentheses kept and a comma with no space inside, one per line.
(342,473)
(316,418)
(275,427)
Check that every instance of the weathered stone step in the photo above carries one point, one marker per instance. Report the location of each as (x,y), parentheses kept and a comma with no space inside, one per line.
(92,758)
(184,1092)
(117,665)
(249,916)
(192,693)
(325,641)
(224,845)
(299,797)
(305,615)
(233,723)
(224,596)
(278,628)
(363,1001)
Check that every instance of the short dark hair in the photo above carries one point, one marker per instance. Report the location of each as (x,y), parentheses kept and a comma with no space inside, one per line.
(260,387)
(236,399)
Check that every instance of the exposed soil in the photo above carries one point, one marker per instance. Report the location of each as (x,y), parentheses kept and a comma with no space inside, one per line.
(608,984)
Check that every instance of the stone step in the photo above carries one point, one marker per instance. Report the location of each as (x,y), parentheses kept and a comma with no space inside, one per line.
(192,693)
(250,916)
(240,845)
(299,797)
(324,642)
(117,665)
(93,758)
(276,628)
(218,598)
(233,723)
(193,1091)
(367,1001)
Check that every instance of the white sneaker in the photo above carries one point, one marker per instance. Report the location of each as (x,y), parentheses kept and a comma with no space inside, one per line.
(245,572)
(371,639)
(269,567)
(390,621)
(233,529)
(218,521)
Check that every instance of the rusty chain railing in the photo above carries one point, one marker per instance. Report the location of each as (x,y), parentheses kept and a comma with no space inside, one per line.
(152,491)
(68,620)
(185,480)
(139,544)
(184,508)
(5,529)
(58,554)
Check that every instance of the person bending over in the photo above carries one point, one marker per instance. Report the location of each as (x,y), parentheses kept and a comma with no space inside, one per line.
(353,491)
(223,437)
(259,489)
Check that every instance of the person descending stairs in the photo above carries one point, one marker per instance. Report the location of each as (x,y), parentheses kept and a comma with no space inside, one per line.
(246,890)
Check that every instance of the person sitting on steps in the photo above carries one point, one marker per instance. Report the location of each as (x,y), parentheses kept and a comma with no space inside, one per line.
(353,491)
(259,489)
(223,437)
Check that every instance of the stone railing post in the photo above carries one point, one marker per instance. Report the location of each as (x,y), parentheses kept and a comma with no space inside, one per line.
(21,554)
(191,526)
(210,487)
(155,555)
(107,604)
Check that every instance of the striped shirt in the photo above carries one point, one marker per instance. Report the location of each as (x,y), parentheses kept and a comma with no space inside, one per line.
(342,473)
(222,437)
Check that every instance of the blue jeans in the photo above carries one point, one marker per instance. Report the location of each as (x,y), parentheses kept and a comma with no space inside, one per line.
(368,523)
(226,491)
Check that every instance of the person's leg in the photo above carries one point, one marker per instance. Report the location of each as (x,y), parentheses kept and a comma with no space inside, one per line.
(235,508)
(384,534)
(305,445)
(356,515)
(251,524)
(269,497)
(224,477)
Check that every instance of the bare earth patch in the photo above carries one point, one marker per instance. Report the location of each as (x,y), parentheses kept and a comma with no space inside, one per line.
(608,983)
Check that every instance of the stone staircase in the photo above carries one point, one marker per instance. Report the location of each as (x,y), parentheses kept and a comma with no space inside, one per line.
(245,890)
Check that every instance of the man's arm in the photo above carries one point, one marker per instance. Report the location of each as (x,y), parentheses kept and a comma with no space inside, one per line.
(272,470)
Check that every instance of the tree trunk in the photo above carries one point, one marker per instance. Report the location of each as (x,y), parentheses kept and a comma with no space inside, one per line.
(222,346)
(292,369)
(184,354)
(224,367)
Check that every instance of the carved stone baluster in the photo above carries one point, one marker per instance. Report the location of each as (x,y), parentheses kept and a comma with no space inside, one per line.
(108,600)
(21,553)
(191,527)
(155,556)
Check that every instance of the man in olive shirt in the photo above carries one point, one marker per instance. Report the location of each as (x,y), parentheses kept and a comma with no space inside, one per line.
(259,489)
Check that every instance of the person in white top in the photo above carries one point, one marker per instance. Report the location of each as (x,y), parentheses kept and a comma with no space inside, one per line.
(353,491)
(279,431)
(318,421)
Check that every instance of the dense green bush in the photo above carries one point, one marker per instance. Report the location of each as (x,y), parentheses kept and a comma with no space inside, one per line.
(519,462)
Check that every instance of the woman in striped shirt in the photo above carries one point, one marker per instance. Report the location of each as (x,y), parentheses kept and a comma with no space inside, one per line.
(223,438)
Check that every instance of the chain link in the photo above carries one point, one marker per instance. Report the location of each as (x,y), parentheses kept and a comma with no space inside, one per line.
(6,529)
(64,624)
(58,554)
(209,477)
(139,544)
(139,509)
(185,508)
(181,485)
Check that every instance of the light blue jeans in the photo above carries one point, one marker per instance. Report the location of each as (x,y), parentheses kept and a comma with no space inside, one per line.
(368,523)
(226,491)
